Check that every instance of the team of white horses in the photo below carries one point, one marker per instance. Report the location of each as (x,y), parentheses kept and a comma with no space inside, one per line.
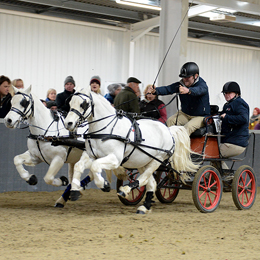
(110,144)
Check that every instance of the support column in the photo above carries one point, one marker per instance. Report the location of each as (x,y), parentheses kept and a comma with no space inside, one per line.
(172,14)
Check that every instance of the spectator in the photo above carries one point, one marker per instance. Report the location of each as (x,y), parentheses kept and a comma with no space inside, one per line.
(194,98)
(151,106)
(113,90)
(18,83)
(254,119)
(127,99)
(95,83)
(5,96)
(51,95)
(62,99)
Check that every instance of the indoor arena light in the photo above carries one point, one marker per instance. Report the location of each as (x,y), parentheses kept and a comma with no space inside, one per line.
(131,3)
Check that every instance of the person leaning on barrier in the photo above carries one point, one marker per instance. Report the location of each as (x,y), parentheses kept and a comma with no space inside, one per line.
(5,96)
(127,99)
(194,98)
(62,99)
(235,120)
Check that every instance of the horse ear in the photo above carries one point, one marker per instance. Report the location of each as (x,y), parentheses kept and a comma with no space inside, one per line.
(13,89)
(28,90)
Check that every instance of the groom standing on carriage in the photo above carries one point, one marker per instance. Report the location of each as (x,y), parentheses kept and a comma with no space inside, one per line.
(194,98)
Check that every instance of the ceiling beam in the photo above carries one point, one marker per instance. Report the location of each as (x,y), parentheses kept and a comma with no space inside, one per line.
(90,8)
(232,4)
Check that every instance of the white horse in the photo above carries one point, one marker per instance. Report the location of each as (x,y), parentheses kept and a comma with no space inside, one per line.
(112,141)
(42,124)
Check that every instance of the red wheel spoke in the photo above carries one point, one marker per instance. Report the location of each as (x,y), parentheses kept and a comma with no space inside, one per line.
(213,184)
(205,182)
(204,188)
(241,193)
(202,194)
(210,200)
(214,193)
(247,196)
(205,201)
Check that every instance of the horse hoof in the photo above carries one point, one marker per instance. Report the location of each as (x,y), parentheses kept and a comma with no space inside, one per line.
(58,205)
(121,194)
(64,181)
(74,195)
(33,180)
(106,187)
(140,212)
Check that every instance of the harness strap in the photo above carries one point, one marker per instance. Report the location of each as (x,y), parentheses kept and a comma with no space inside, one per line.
(38,145)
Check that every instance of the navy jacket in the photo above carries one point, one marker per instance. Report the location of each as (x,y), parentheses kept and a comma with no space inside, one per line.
(194,104)
(5,105)
(110,98)
(235,123)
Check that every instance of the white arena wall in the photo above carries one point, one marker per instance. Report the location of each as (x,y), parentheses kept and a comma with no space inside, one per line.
(43,50)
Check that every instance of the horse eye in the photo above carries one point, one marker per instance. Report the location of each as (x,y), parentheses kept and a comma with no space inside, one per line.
(24,103)
(84,105)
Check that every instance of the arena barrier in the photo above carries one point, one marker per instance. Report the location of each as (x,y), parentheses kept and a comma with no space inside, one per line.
(14,142)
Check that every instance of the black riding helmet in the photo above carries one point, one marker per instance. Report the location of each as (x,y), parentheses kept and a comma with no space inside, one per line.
(231,86)
(189,69)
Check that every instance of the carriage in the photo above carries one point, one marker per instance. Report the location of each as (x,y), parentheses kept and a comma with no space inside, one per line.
(110,141)
(209,182)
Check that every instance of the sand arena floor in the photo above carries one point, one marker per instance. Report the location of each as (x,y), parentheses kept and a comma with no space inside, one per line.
(99,226)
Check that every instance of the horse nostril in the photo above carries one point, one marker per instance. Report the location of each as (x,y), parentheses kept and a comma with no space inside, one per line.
(9,121)
(70,124)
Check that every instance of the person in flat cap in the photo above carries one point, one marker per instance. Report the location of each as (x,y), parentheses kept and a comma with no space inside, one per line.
(127,99)
(95,83)
(62,99)
(113,90)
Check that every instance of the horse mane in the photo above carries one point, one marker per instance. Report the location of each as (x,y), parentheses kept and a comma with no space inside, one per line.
(98,98)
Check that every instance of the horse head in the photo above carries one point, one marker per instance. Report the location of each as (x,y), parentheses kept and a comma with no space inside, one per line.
(22,107)
(81,108)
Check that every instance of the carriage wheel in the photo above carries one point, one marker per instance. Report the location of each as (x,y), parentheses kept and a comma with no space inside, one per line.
(167,189)
(244,187)
(136,195)
(207,189)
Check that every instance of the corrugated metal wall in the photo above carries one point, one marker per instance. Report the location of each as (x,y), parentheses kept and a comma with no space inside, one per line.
(43,52)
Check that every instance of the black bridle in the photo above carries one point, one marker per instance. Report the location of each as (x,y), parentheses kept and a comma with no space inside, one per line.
(25,104)
(84,105)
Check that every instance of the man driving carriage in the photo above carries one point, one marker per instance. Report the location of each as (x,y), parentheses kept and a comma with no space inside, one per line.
(194,98)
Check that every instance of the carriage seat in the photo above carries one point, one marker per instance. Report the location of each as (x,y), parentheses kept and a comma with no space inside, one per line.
(209,124)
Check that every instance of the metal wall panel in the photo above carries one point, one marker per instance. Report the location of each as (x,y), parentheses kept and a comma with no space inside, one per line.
(220,63)
(43,53)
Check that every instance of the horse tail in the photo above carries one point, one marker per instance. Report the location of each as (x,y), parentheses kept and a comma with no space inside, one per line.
(181,159)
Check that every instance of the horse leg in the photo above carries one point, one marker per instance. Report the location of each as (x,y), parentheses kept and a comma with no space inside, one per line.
(108,162)
(55,166)
(142,180)
(150,190)
(84,163)
(27,159)
(60,203)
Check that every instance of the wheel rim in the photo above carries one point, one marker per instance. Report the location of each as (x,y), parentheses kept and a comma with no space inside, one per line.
(209,190)
(137,193)
(167,190)
(246,188)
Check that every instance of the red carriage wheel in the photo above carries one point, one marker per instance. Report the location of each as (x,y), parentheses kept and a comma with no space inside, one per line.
(244,187)
(167,188)
(207,189)
(136,195)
